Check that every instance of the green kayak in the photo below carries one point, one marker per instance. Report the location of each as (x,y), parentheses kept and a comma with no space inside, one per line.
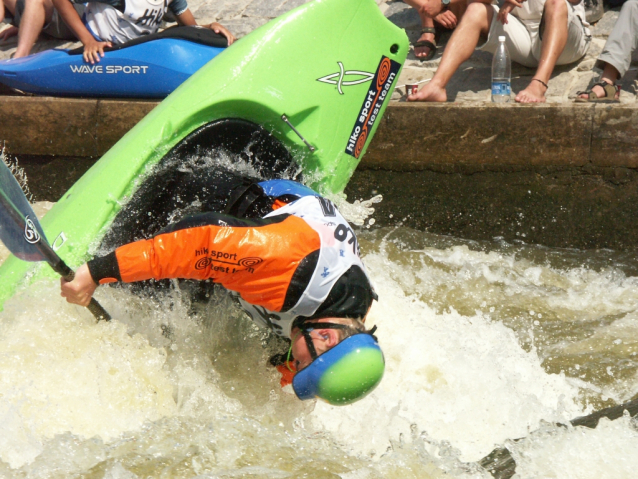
(300,97)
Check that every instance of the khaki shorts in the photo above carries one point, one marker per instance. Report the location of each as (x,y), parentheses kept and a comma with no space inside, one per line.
(56,27)
(524,37)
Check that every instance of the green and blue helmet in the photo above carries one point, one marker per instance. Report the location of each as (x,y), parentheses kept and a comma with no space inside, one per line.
(345,373)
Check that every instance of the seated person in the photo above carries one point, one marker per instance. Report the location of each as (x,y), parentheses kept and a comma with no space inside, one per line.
(539,33)
(103,22)
(294,268)
(616,56)
(446,13)
(35,16)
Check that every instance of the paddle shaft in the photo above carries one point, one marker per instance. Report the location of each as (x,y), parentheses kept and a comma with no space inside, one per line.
(60,267)
(52,258)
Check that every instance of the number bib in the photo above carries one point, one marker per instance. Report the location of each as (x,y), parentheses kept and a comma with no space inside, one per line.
(339,251)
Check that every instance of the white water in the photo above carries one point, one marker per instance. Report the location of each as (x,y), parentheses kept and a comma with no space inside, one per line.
(475,338)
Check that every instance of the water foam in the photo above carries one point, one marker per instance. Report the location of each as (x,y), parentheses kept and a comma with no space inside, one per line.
(463,379)
(192,395)
(606,452)
(64,374)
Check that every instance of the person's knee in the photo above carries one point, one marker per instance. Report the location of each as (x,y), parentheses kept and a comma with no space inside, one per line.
(476,12)
(38,3)
(555,7)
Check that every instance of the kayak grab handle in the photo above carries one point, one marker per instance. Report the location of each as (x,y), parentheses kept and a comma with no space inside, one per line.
(285,119)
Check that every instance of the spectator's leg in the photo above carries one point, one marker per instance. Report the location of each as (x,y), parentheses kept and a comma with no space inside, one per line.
(426,21)
(622,41)
(10,6)
(610,75)
(457,7)
(36,14)
(554,41)
(429,11)
(475,22)
(10,31)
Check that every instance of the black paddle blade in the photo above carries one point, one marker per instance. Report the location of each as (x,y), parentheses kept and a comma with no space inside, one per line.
(20,230)
(22,234)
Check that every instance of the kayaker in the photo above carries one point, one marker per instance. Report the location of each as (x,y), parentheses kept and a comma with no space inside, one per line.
(103,22)
(293,262)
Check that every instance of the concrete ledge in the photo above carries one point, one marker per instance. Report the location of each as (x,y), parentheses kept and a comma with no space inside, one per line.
(66,127)
(561,175)
(615,137)
(445,137)
(472,137)
(557,175)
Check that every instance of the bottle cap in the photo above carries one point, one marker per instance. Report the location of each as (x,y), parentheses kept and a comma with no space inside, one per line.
(501,38)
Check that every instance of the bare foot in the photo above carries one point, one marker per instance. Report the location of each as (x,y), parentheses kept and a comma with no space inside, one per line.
(534,93)
(429,92)
(423,52)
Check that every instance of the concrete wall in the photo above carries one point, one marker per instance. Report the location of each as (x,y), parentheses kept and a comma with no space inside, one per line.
(66,126)
(548,174)
(558,175)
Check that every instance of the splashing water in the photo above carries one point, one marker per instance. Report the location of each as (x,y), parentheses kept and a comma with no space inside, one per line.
(484,342)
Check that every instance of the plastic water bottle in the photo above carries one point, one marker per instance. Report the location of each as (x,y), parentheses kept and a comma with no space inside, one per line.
(501,73)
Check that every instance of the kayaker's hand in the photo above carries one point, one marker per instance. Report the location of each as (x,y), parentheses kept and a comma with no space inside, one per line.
(81,289)
(8,33)
(220,29)
(93,50)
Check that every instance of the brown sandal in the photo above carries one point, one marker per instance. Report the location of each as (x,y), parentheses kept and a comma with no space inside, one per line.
(612,94)
(426,43)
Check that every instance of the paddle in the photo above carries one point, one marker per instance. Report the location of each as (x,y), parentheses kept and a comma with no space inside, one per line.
(22,234)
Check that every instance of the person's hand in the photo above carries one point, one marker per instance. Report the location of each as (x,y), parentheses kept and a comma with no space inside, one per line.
(93,50)
(221,30)
(8,33)
(446,19)
(81,289)
(431,8)
(507,7)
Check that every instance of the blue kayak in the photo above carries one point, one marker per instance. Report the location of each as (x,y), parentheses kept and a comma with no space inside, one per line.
(148,67)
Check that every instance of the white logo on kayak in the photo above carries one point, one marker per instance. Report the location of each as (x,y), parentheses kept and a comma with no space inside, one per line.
(30,232)
(341,74)
(127,69)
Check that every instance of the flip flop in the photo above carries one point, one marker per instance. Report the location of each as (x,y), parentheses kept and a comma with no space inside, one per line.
(610,94)
(426,43)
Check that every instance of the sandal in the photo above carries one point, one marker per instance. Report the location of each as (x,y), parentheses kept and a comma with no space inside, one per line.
(426,43)
(612,94)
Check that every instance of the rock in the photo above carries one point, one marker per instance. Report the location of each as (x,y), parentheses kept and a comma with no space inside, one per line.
(605,25)
(403,16)
(594,10)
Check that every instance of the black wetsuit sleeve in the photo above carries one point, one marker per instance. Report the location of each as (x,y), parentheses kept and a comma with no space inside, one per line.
(104,267)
